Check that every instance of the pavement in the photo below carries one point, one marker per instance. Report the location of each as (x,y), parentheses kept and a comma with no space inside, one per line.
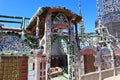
(31,76)
(113,78)
(60,77)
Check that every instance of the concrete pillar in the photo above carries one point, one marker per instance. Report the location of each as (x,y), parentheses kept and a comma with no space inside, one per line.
(40,65)
(37,69)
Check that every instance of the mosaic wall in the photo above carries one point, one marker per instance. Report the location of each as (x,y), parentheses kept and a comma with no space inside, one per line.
(112,17)
(10,42)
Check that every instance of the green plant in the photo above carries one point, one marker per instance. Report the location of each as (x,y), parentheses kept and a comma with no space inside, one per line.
(12,54)
(65,70)
(2,54)
(24,54)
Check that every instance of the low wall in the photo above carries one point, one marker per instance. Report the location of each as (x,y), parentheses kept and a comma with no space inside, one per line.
(90,76)
(118,71)
(104,74)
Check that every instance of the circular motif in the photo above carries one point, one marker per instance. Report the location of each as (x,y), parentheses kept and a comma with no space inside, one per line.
(60,18)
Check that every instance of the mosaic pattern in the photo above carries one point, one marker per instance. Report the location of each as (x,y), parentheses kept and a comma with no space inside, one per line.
(112,17)
(48,43)
(48,32)
(60,19)
(13,43)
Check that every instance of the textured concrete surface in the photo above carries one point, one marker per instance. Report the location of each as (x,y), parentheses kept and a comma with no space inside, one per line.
(31,76)
(113,78)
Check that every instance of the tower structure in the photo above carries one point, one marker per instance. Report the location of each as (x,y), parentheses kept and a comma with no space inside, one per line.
(111,16)
(84,40)
(54,27)
(106,30)
(82,22)
(101,30)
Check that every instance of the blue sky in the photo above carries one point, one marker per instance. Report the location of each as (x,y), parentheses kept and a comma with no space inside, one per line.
(27,8)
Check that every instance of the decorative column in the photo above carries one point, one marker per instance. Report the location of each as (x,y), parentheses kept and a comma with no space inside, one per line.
(76,36)
(68,66)
(43,68)
(71,55)
(37,55)
(74,68)
(99,66)
(76,48)
(40,67)
(48,44)
(112,58)
(71,67)
(80,69)
(77,67)
(37,65)
(70,61)
(22,27)
(42,56)
(37,27)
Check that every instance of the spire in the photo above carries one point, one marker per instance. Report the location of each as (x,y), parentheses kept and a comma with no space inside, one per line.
(99,21)
(80,13)
(98,8)
(102,31)
(79,6)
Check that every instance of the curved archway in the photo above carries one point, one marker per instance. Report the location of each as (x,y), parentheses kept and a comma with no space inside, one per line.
(60,18)
(60,37)
(88,50)
(60,21)
(88,59)
(59,51)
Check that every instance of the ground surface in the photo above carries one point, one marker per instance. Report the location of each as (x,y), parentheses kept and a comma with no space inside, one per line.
(113,78)
(31,76)
(59,78)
